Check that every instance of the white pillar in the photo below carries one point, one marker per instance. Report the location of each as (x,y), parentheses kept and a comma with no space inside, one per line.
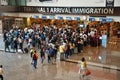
(0,27)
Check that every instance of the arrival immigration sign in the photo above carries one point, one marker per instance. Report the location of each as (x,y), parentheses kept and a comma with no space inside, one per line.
(72,10)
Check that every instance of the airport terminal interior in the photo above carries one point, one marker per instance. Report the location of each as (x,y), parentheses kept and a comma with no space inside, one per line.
(59,40)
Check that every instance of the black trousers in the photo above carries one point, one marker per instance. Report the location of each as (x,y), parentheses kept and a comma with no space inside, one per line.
(7,48)
(1,77)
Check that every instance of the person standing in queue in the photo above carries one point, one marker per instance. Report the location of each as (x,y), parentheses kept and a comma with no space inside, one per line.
(7,43)
(16,44)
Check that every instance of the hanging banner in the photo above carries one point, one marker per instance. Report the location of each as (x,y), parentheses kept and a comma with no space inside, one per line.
(109,3)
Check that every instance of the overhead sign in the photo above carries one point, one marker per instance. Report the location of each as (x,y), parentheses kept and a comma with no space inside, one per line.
(51,17)
(36,17)
(109,3)
(71,10)
(103,20)
(68,18)
(3,2)
(59,17)
(77,18)
(91,19)
(109,19)
(44,17)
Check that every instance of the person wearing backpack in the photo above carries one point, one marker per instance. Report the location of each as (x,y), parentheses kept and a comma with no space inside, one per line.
(35,58)
(51,52)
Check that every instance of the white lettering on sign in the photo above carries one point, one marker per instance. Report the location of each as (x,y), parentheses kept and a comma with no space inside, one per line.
(60,10)
(93,10)
(41,10)
(72,10)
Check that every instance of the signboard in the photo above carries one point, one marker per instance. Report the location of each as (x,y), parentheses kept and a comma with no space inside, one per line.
(44,17)
(59,17)
(68,18)
(77,18)
(103,20)
(109,3)
(91,19)
(36,17)
(71,10)
(51,17)
(109,19)
(3,2)
(104,41)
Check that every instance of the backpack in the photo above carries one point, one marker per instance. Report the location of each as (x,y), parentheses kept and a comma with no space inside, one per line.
(35,56)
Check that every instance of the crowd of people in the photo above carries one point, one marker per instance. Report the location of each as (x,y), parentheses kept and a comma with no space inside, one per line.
(49,41)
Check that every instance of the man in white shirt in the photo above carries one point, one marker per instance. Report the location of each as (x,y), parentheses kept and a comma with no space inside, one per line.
(1,72)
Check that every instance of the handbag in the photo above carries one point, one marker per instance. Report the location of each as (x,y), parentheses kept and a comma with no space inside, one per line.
(87,72)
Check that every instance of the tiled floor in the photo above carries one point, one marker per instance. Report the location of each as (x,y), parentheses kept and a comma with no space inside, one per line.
(17,65)
(106,56)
